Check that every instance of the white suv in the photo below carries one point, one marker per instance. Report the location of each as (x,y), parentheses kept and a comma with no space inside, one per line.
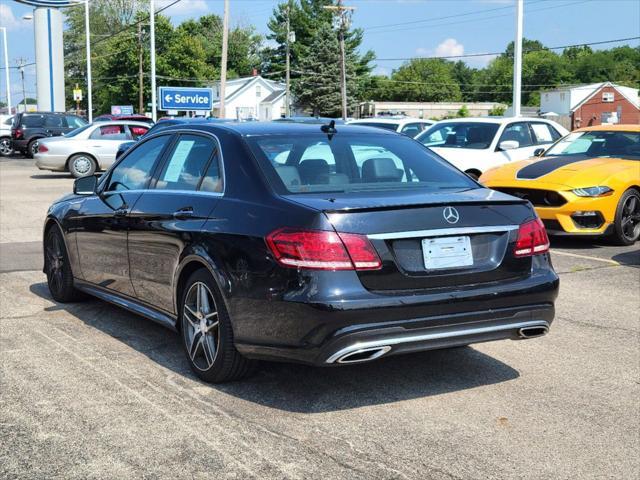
(6,147)
(474,145)
(406,125)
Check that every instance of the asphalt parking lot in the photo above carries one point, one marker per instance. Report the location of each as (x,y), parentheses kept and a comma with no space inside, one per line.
(90,391)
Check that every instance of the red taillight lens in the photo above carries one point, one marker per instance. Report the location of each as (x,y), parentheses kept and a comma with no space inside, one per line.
(532,239)
(17,133)
(42,148)
(322,250)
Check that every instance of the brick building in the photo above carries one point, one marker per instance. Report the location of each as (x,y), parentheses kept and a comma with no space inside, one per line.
(595,104)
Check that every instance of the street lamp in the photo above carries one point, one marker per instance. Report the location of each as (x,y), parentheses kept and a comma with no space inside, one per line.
(6,67)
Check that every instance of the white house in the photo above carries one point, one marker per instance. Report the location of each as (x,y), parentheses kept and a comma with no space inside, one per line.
(251,98)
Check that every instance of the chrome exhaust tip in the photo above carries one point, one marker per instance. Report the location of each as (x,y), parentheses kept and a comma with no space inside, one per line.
(533,332)
(363,355)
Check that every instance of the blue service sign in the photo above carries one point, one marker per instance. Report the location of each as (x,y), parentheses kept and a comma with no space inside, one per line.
(185,98)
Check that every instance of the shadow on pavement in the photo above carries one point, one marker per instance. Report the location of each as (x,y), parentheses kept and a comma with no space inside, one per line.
(300,388)
(628,259)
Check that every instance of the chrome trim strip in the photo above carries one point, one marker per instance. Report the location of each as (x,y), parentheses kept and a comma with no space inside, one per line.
(441,232)
(432,336)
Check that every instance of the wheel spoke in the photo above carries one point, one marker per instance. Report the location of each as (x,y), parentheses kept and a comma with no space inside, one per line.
(209,351)
(212,326)
(210,315)
(196,340)
(199,297)
(191,316)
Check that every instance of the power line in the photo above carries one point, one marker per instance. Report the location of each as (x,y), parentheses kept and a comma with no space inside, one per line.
(471,55)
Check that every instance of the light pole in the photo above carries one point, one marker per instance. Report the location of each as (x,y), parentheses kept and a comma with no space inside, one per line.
(88,44)
(517,60)
(152,22)
(223,62)
(6,68)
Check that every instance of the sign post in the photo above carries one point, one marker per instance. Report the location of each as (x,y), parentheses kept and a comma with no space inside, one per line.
(185,98)
(77,97)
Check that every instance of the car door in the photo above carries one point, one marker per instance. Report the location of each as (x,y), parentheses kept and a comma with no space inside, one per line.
(170,214)
(521,133)
(102,220)
(104,142)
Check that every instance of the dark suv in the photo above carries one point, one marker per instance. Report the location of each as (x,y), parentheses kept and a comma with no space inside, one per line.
(29,127)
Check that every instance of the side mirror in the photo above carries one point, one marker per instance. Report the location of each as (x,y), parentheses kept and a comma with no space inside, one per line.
(509,145)
(85,185)
(538,152)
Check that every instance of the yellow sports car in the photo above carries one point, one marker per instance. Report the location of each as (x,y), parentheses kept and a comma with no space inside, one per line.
(587,183)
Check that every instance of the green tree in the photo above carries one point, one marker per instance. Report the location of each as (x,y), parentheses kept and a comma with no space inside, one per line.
(425,80)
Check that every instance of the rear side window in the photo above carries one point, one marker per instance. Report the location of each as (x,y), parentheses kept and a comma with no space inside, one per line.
(54,121)
(109,132)
(135,170)
(75,122)
(187,163)
(358,162)
(412,129)
(32,121)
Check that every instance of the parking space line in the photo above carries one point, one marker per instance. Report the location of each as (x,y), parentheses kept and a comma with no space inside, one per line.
(586,257)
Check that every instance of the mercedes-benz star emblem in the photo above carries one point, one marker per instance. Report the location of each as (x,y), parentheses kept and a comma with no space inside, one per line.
(451,215)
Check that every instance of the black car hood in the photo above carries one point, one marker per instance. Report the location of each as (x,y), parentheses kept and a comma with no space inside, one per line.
(353,201)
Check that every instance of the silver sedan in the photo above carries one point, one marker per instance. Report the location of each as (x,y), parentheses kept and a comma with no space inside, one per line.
(87,149)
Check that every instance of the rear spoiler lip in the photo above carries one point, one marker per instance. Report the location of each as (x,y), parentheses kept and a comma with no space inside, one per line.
(408,206)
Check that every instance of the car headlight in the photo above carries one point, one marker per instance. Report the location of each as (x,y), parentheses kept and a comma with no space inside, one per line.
(600,191)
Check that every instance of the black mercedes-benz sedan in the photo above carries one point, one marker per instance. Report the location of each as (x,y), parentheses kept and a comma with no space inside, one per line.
(319,244)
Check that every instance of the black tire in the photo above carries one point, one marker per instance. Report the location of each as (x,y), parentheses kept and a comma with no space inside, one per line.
(627,220)
(32,148)
(6,147)
(58,268)
(82,165)
(207,335)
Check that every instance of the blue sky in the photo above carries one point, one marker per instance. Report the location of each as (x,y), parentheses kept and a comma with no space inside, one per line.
(468,26)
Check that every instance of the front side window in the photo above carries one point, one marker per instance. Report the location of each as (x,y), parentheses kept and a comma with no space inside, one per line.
(599,144)
(109,132)
(135,170)
(518,132)
(187,163)
(354,162)
(544,133)
(473,135)
(54,121)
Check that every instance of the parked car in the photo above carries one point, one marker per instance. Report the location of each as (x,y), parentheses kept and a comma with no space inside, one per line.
(316,120)
(28,128)
(474,145)
(6,148)
(135,117)
(87,149)
(313,261)
(407,125)
(586,184)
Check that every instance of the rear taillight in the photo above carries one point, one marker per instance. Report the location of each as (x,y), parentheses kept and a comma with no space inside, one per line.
(42,148)
(17,133)
(322,250)
(532,239)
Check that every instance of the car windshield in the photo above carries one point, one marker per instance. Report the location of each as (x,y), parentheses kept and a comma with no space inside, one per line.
(78,130)
(616,144)
(312,163)
(474,135)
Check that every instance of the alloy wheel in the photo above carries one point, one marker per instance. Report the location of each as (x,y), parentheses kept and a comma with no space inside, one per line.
(55,262)
(34,148)
(5,147)
(202,333)
(630,220)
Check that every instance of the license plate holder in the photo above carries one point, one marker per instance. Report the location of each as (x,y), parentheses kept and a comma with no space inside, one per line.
(447,252)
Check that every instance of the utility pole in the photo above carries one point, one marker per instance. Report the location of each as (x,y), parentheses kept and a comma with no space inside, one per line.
(152,22)
(140,72)
(517,60)
(223,63)
(6,68)
(21,62)
(88,47)
(287,97)
(344,14)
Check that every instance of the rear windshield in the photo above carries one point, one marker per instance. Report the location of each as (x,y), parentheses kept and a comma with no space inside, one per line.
(387,126)
(475,135)
(314,163)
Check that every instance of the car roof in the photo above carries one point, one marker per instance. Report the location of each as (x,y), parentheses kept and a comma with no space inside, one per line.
(249,129)
(611,128)
(396,120)
(496,120)
(120,122)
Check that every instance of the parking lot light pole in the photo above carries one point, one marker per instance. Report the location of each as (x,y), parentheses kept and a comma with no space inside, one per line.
(152,23)
(6,68)
(88,44)
(517,60)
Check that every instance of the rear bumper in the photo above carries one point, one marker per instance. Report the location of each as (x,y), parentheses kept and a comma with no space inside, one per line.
(318,333)
(56,163)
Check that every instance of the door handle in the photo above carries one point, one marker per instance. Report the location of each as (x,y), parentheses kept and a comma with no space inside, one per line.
(185,212)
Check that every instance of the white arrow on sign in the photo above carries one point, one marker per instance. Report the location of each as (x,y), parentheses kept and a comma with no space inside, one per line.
(168,97)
